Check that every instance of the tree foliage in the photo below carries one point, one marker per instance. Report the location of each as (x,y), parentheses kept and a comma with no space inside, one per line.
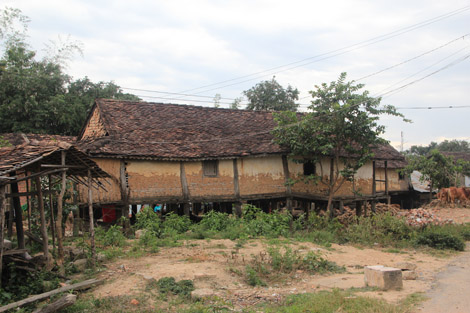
(440,170)
(269,95)
(36,95)
(445,146)
(342,125)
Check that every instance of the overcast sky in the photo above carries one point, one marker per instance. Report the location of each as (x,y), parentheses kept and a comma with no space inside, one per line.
(180,46)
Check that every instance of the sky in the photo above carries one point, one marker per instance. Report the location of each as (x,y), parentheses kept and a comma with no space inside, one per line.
(414,54)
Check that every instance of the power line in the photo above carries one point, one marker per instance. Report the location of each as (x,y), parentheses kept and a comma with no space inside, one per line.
(175,93)
(424,77)
(334,53)
(414,58)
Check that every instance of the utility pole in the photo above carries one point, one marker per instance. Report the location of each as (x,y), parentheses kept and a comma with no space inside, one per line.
(402,142)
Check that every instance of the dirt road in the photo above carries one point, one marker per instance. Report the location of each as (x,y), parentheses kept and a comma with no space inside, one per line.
(450,291)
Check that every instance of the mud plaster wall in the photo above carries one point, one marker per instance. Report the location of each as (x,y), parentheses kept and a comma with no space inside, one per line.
(362,180)
(149,180)
(203,186)
(263,175)
(95,127)
(112,167)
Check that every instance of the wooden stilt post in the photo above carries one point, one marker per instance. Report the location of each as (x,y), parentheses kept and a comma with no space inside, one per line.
(92,222)
(51,208)
(28,201)
(45,239)
(60,203)
(374,187)
(2,223)
(18,214)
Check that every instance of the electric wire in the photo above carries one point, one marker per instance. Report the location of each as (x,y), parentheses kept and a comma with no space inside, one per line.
(335,52)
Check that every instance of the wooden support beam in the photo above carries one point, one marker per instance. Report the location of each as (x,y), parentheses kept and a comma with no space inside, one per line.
(63,165)
(285,166)
(60,203)
(45,239)
(92,222)
(2,223)
(51,208)
(236,189)
(18,215)
(58,305)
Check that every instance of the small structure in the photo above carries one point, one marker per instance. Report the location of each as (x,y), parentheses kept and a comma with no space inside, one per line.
(194,156)
(384,278)
(29,160)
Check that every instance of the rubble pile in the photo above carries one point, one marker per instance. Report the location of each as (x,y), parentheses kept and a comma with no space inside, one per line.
(422,217)
(349,214)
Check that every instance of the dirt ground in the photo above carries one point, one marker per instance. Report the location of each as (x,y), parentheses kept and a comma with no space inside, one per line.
(213,265)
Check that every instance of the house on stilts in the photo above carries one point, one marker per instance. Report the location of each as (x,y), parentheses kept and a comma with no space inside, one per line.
(192,158)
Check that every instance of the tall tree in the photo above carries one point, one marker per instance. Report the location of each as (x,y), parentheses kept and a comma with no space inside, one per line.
(37,96)
(342,126)
(269,95)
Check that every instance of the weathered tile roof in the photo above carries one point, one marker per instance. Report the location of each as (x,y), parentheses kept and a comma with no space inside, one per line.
(169,131)
(26,152)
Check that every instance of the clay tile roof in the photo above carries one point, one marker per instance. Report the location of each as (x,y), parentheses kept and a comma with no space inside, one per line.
(24,152)
(170,131)
(465,156)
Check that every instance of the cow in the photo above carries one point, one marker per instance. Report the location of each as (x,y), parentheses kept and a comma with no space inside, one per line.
(455,194)
(443,195)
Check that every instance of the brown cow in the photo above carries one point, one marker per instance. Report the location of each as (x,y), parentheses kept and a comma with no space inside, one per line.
(456,194)
(443,195)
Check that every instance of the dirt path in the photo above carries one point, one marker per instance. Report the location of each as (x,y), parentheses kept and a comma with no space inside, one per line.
(450,291)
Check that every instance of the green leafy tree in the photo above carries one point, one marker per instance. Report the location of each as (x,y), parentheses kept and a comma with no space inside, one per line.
(37,96)
(342,125)
(445,146)
(269,95)
(441,171)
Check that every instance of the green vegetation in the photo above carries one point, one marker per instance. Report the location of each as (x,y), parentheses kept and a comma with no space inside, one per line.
(19,284)
(168,285)
(339,301)
(342,122)
(278,263)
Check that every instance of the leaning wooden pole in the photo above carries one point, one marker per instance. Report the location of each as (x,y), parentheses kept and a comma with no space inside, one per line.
(2,223)
(45,239)
(92,222)
(60,203)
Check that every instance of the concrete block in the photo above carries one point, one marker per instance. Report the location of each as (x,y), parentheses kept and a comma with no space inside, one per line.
(409,275)
(382,277)
(406,266)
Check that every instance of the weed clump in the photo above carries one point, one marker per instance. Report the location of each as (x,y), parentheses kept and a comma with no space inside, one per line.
(440,238)
(168,285)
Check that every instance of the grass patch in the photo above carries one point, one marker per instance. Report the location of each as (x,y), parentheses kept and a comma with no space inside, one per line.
(337,301)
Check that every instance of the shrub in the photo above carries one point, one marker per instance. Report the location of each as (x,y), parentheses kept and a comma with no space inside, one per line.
(216,221)
(252,277)
(381,228)
(168,285)
(440,238)
(269,224)
(150,221)
(111,237)
(174,223)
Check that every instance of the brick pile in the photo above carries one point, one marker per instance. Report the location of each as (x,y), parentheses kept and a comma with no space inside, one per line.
(422,217)
(349,214)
